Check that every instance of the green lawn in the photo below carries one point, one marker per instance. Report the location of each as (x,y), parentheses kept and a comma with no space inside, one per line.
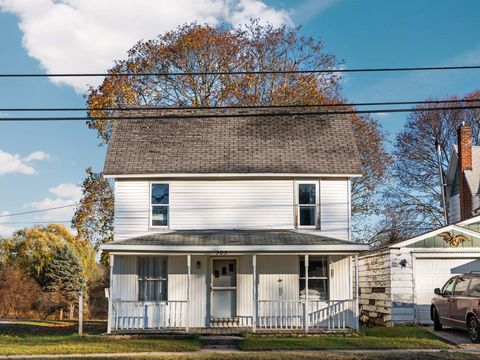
(298,356)
(59,337)
(399,337)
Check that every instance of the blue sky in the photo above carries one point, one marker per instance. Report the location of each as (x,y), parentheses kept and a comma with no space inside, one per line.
(41,164)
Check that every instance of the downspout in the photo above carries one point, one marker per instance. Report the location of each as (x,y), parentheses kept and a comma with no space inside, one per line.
(442,181)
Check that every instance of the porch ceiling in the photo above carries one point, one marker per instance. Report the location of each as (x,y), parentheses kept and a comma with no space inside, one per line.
(234,241)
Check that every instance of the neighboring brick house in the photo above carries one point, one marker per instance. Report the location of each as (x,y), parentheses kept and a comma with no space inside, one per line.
(463,178)
(232,219)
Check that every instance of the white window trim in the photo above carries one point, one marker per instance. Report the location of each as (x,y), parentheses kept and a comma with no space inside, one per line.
(150,207)
(317,203)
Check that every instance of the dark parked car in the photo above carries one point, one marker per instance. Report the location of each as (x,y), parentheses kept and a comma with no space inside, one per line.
(457,304)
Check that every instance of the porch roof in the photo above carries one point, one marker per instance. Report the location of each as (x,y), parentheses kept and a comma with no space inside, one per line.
(234,241)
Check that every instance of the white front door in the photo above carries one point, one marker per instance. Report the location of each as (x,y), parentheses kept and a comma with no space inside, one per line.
(431,273)
(224,289)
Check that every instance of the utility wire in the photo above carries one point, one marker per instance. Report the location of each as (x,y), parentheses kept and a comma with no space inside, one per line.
(210,116)
(37,211)
(129,108)
(36,222)
(264,72)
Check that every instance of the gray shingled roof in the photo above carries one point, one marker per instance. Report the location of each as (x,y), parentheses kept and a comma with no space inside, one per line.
(231,238)
(313,144)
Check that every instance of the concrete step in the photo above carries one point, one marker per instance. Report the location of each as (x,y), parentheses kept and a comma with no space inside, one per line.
(220,342)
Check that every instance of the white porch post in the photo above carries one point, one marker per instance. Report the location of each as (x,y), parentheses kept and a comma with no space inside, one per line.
(357,309)
(110,305)
(254,283)
(189,266)
(305,311)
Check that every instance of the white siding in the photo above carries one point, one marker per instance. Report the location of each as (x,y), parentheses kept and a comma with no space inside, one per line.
(233,204)
(454,208)
(334,208)
(124,281)
(341,286)
(245,290)
(131,208)
(278,277)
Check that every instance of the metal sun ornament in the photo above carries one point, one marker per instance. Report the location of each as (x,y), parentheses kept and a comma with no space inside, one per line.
(453,240)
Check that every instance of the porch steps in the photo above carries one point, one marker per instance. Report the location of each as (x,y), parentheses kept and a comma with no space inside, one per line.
(220,342)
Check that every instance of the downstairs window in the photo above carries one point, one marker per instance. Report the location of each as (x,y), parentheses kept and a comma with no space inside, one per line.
(317,278)
(152,278)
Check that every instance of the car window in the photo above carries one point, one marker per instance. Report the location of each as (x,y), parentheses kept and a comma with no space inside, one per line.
(474,287)
(448,287)
(461,286)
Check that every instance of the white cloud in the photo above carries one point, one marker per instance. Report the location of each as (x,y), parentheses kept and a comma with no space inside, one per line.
(37,155)
(66,194)
(14,163)
(5,230)
(67,191)
(308,9)
(88,35)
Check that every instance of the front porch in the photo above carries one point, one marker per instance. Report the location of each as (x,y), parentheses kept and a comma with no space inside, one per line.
(156,287)
(273,315)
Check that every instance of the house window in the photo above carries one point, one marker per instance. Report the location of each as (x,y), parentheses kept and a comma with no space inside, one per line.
(317,278)
(152,279)
(307,204)
(159,204)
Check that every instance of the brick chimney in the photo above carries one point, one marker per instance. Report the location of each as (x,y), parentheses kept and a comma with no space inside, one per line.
(464,163)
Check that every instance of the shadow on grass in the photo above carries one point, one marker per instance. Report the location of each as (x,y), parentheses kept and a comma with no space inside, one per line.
(50,327)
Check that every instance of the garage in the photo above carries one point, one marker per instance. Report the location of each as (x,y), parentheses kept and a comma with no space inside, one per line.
(433,272)
(396,281)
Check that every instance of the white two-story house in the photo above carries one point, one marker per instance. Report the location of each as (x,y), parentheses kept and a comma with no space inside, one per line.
(237,218)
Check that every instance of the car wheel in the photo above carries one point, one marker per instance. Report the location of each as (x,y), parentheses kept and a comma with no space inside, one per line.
(437,325)
(473,329)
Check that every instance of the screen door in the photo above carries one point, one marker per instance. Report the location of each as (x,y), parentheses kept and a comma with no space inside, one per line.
(224,289)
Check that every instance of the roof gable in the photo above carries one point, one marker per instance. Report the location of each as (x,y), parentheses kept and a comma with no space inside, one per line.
(467,227)
(239,142)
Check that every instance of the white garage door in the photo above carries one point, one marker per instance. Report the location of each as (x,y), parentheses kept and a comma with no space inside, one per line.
(431,273)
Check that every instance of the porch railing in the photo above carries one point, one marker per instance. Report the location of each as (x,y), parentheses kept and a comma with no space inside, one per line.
(149,315)
(320,314)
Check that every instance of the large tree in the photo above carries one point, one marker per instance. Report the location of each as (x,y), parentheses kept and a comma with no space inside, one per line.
(93,219)
(203,48)
(413,197)
(32,249)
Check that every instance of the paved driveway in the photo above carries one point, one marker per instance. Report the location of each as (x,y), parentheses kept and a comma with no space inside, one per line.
(455,337)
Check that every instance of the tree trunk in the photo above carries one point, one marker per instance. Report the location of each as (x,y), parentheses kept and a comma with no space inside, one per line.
(61,314)
(71,308)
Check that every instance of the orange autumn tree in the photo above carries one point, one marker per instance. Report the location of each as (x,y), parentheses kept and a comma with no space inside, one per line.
(253,47)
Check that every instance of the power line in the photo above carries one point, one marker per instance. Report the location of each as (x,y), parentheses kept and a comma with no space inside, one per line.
(127,108)
(39,210)
(36,222)
(253,72)
(210,116)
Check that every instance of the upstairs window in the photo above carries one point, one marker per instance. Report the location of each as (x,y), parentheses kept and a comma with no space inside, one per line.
(152,279)
(159,204)
(307,204)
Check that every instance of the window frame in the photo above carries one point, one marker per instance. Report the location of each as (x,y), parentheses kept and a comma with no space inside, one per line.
(324,278)
(470,289)
(466,290)
(161,279)
(151,206)
(453,280)
(316,206)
